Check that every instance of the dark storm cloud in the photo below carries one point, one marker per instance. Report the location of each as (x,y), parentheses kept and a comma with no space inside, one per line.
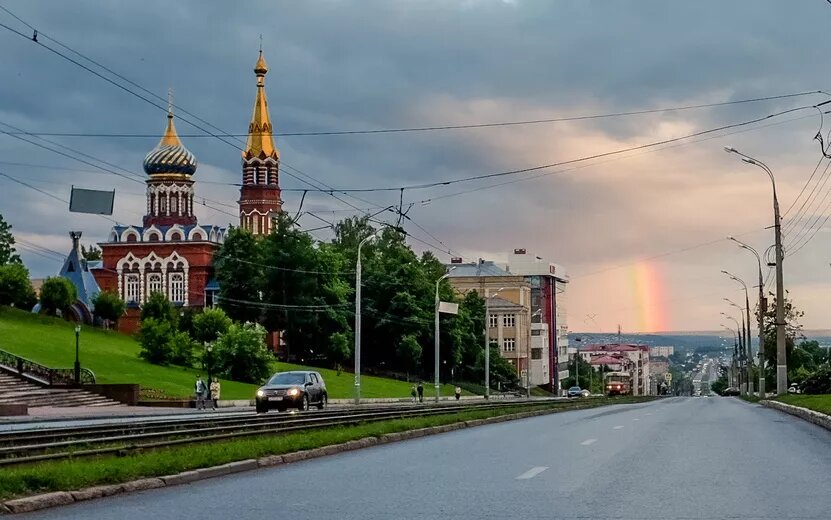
(338,65)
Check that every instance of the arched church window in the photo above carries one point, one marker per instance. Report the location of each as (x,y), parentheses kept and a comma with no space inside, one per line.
(154,283)
(177,288)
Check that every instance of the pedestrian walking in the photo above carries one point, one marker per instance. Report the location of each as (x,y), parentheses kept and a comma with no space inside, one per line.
(420,389)
(215,388)
(201,389)
(413,392)
(458,392)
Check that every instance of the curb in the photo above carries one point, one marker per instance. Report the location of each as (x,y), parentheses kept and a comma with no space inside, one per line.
(60,498)
(820,419)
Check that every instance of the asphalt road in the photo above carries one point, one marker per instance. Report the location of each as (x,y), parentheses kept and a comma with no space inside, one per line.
(674,458)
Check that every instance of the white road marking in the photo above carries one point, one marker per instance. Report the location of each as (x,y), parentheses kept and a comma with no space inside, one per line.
(588,442)
(636,419)
(531,473)
(618,427)
(648,413)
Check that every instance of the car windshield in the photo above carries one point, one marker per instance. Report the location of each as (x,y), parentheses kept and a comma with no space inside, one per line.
(287,378)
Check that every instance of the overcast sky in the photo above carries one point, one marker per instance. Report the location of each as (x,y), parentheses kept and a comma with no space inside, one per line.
(630,229)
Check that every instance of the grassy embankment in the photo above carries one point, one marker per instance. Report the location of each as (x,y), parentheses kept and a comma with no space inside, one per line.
(75,474)
(113,357)
(818,403)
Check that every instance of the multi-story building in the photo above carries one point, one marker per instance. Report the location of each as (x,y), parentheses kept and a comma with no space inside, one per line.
(508,299)
(635,357)
(549,327)
(661,351)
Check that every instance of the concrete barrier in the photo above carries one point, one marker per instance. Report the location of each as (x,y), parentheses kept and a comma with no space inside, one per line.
(33,503)
(820,419)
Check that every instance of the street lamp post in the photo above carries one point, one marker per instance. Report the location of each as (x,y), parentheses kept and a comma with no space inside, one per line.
(735,347)
(77,359)
(488,342)
(358,319)
(749,351)
(740,345)
(760,316)
(744,342)
(781,361)
(436,363)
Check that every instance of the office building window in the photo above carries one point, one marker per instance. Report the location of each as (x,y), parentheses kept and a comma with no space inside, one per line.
(536,332)
(509,344)
(536,353)
(509,320)
(493,320)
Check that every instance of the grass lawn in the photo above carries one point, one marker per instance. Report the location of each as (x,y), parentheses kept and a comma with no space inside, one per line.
(819,403)
(113,357)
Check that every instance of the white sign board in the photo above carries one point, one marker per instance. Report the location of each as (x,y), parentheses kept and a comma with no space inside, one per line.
(449,308)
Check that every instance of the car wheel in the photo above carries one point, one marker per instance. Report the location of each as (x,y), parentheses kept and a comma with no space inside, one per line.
(304,403)
(261,408)
(323,401)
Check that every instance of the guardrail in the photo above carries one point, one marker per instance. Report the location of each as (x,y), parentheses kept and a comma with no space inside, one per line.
(42,374)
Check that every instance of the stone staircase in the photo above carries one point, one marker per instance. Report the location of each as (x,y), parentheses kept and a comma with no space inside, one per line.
(14,390)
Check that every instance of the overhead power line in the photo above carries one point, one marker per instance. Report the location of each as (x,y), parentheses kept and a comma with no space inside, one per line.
(430,128)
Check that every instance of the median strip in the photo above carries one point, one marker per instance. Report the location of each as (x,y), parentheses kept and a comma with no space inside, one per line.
(181,465)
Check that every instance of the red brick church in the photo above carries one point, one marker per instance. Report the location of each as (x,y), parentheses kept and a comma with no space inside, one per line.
(170,252)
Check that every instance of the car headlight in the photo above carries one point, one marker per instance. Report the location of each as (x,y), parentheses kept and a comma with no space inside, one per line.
(260,393)
(294,391)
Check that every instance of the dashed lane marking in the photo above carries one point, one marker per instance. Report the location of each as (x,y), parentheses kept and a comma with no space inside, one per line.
(636,419)
(531,473)
(618,427)
(588,442)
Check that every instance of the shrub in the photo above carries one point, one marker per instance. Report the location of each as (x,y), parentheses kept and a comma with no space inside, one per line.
(57,294)
(180,348)
(817,383)
(159,308)
(241,354)
(210,324)
(108,306)
(155,339)
(15,287)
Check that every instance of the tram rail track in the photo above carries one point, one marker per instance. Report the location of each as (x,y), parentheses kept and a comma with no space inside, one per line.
(30,446)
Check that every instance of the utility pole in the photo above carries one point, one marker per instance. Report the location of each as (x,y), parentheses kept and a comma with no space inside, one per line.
(436,363)
(781,354)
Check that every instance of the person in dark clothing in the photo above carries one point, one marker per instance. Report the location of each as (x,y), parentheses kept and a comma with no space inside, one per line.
(420,389)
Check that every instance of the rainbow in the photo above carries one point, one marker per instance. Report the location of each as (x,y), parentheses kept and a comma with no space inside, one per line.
(647,288)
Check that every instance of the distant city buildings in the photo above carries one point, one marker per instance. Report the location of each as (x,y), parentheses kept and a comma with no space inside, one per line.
(631,358)
(661,351)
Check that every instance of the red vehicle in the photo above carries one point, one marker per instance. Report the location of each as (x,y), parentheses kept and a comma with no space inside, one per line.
(618,383)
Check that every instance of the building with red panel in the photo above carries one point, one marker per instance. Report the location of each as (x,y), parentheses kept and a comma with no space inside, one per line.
(170,253)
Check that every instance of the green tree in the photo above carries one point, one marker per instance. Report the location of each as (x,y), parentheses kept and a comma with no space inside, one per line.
(159,308)
(239,270)
(409,354)
(180,347)
(293,288)
(210,324)
(340,349)
(8,255)
(91,253)
(187,316)
(793,331)
(15,286)
(109,306)
(155,339)
(241,353)
(57,294)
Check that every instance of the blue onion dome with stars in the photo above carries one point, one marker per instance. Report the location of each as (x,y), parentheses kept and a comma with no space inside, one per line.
(170,156)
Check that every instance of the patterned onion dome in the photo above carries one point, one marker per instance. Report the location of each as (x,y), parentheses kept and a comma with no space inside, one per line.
(170,155)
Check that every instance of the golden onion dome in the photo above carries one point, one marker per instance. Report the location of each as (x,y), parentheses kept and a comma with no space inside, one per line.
(170,155)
